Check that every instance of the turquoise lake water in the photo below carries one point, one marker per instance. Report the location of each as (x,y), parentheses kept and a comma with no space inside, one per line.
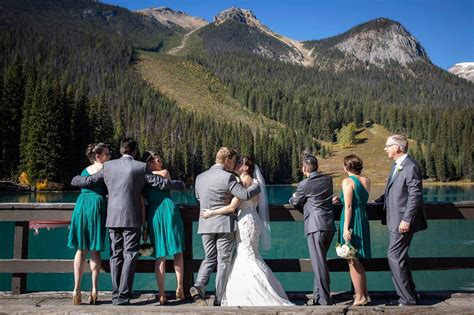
(442,239)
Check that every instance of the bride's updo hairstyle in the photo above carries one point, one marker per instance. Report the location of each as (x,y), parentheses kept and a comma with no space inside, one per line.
(95,148)
(150,155)
(353,164)
(247,161)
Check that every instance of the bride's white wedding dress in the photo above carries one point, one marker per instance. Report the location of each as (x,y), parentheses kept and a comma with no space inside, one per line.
(251,282)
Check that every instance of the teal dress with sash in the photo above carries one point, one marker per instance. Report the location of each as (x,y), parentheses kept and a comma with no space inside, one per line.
(87,229)
(359,220)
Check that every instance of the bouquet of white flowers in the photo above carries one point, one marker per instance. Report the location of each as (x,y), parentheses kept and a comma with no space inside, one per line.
(346,251)
(146,249)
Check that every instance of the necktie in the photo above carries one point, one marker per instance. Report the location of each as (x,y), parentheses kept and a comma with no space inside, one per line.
(394,170)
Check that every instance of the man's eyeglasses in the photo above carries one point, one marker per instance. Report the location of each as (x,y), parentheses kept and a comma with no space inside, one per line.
(389,145)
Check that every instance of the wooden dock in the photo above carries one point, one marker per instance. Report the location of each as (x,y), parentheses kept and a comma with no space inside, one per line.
(433,302)
(20,301)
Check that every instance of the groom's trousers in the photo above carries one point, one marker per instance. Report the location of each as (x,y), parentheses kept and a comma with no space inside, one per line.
(124,244)
(318,245)
(399,263)
(218,250)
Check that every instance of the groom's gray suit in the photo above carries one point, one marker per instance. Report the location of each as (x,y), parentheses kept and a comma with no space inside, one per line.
(314,194)
(403,200)
(215,188)
(125,179)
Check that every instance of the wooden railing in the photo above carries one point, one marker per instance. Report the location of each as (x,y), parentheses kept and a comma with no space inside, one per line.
(23,213)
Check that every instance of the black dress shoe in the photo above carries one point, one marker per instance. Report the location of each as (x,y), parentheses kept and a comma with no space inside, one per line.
(406,304)
(312,303)
(197,296)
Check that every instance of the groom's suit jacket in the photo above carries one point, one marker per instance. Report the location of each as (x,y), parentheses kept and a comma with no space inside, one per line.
(314,195)
(215,188)
(403,197)
(125,179)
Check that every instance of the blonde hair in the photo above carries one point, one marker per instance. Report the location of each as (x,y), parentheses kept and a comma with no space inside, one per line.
(401,141)
(224,153)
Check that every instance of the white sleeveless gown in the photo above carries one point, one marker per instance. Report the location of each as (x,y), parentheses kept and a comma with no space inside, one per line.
(251,282)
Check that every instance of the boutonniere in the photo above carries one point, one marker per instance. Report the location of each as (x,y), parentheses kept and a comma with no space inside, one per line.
(399,168)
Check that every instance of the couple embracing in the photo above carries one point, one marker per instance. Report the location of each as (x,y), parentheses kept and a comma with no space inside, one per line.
(229,219)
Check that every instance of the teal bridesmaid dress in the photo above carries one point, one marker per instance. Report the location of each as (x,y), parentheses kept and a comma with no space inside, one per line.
(359,220)
(87,231)
(165,225)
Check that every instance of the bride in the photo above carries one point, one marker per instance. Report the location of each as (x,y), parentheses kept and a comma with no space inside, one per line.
(251,282)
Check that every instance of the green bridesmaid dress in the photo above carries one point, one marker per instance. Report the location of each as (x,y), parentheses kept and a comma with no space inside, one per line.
(87,229)
(359,220)
(165,225)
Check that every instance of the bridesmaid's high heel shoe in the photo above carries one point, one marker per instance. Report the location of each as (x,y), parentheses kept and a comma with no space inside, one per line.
(180,294)
(76,298)
(163,300)
(93,297)
(362,302)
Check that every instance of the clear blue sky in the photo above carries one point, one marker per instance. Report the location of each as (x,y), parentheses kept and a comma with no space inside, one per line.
(445,28)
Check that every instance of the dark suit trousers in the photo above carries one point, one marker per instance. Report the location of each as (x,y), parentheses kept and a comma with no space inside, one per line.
(318,245)
(399,263)
(124,244)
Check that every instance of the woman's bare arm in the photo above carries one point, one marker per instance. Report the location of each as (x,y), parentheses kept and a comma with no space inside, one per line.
(224,210)
(347,190)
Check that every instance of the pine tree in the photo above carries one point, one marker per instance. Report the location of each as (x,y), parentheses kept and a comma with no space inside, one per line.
(11,109)
(430,164)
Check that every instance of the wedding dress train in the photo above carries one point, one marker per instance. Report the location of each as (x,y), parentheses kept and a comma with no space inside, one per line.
(251,282)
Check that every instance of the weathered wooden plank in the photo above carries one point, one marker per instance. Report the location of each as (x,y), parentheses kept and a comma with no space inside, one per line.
(20,251)
(188,276)
(284,212)
(277,265)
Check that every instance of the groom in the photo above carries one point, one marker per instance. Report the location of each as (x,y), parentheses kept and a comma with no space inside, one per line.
(215,188)
(314,194)
(125,179)
(404,214)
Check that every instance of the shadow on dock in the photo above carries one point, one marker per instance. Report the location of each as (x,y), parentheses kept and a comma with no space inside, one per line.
(432,302)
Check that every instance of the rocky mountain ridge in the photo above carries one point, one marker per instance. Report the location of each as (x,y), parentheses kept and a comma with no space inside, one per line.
(297,54)
(385,41)
(375,42)
(464,70)
(171,18)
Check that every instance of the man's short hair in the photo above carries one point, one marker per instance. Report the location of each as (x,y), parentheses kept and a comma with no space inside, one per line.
(224,153)
(401,141)
(129,146)
(310,163)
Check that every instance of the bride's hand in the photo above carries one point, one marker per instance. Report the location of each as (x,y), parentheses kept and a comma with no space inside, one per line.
(206,213)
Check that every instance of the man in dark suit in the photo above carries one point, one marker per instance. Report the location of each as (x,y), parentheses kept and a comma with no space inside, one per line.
(404,214)
(125,179)
(314,195)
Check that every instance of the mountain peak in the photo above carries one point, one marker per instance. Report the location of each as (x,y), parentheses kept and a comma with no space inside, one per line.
(170,18)
(243,16)
(382,40)
(464,70)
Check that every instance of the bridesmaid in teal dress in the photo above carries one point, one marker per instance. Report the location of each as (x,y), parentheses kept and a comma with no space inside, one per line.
(87,231)
(165,228)
(354,226)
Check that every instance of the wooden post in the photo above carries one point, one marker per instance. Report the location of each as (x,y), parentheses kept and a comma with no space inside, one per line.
(20,251)
(188,276)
